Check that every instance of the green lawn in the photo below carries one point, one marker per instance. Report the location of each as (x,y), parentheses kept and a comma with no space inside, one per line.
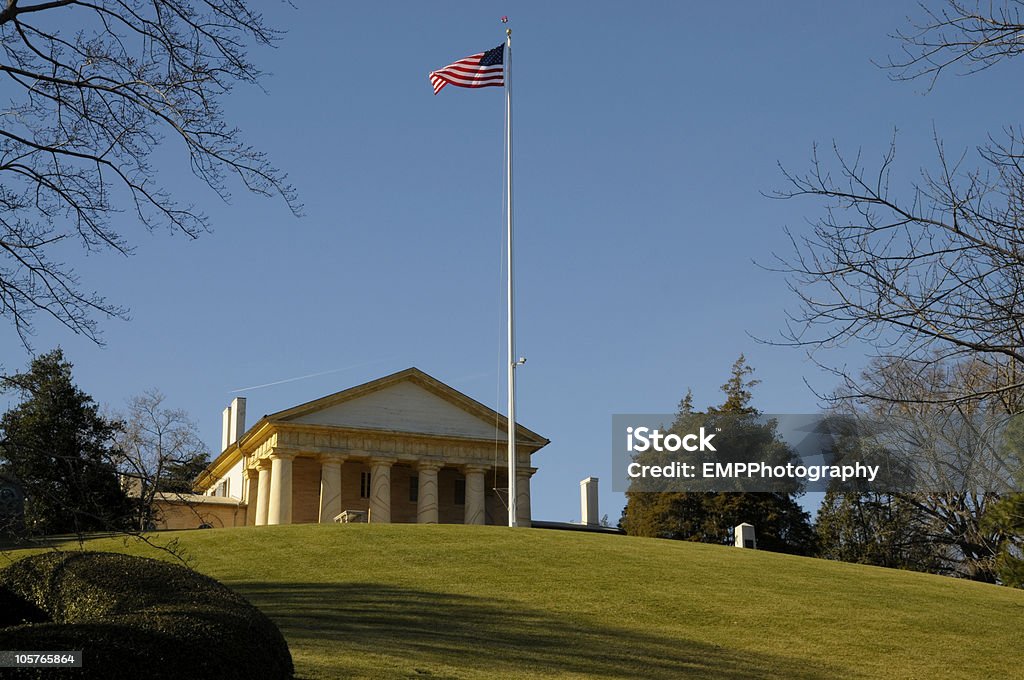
(408,601)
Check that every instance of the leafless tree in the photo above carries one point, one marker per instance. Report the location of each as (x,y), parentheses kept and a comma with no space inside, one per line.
(94,87)
(962,36)
(929,271)
(961,457)
(157,445)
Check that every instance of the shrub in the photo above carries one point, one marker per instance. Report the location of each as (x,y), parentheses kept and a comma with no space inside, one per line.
(138,618)
(15,610)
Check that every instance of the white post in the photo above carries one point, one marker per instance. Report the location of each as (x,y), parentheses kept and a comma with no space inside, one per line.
(512,501)
(743,536)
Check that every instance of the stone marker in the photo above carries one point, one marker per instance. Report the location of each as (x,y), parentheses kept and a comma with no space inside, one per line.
(744,534)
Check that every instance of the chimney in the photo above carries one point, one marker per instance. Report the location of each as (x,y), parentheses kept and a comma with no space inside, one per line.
(237,419)
(588,502)
(233,423)
(225,437)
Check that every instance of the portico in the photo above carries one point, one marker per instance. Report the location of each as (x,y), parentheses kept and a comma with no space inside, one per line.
(404,448)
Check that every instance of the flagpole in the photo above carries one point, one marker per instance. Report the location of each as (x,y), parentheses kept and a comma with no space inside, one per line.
(513,519)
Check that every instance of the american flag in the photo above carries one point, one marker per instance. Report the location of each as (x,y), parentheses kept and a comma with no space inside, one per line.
(485,69)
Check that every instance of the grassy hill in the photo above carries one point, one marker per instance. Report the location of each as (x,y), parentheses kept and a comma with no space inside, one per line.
(407,601)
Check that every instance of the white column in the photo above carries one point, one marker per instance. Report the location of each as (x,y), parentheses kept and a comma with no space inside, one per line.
(330,488)
(251,494)
(476,513)
(280,488)
(263,492)
(380,490)
(426,504)
(523,496)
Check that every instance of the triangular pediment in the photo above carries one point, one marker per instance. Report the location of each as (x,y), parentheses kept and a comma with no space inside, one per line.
(410,401)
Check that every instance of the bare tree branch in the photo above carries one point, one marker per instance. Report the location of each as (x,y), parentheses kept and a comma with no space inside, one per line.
(156,444)
(967,36)
(935,276)
(88,109)
(963,454)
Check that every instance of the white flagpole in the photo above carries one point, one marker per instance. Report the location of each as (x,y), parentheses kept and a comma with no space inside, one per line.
(513,519)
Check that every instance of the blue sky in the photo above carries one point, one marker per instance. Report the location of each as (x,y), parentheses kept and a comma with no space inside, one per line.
(646,135)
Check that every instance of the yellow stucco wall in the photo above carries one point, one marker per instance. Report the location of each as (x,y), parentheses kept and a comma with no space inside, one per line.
(402,509)
(305,491)
(185,514)
(306,496)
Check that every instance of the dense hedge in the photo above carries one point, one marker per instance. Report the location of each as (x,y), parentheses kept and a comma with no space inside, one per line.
(15,610)
(135,618)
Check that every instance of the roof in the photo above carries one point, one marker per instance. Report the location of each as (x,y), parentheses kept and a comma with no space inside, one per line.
(417,377)
(299,415)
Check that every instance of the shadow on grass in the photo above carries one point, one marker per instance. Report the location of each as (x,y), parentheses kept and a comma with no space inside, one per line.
(9,543)
(419,632)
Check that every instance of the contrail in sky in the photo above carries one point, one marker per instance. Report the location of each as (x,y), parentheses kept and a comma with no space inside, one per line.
(311,375)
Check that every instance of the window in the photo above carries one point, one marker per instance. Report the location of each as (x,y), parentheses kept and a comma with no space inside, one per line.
(460,492)
(364,485)
(414,488)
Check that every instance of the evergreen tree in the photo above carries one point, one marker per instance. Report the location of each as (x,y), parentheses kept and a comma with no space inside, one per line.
(60,449)
(878,529)
(709,516)
(944,471)
(1008,517)
(180,477)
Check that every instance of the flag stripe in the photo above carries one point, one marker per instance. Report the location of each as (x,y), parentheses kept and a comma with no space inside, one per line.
(441,82)
(484,69)
(468,80)
(469,75)
(470,69)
